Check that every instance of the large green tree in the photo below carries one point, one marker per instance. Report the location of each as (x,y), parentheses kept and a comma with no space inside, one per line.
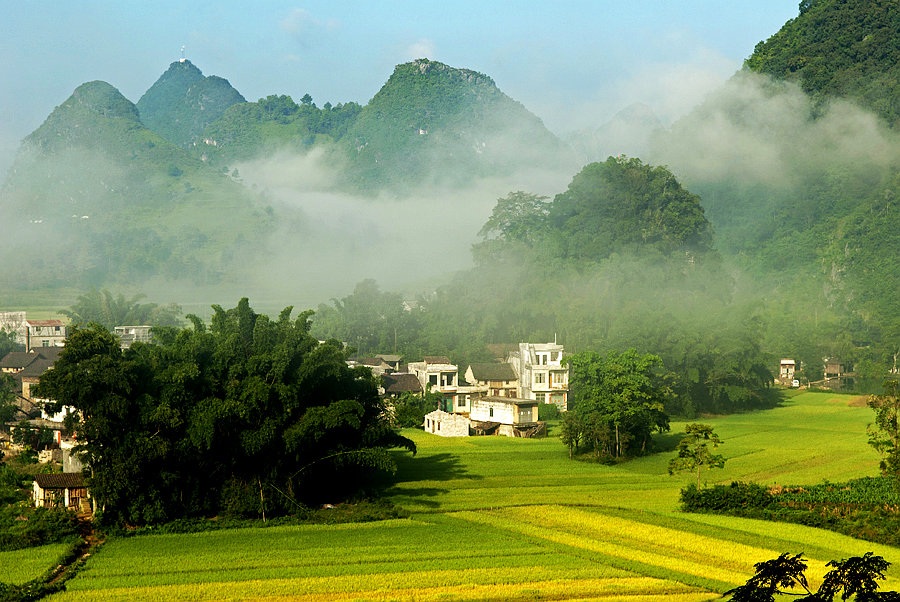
(619,399)
(250,415)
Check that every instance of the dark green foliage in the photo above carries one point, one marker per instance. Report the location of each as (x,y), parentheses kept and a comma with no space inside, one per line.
(250,408)
(723,499)
(839,48)
(623,204)
(272,124)
(102,307)
(863,508)
(369,320)
(856,576)
(548,411)
(410,408)
(183,102)
(24,526)
(617,402)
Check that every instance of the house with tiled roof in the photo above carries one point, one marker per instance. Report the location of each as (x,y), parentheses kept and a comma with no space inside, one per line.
(16,361)
(65,490)
(495,378)
(45,333)
(398,383)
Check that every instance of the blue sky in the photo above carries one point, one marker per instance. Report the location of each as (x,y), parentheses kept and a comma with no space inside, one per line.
(574,63)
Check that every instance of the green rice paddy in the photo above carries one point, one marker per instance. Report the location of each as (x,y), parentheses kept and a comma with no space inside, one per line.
(515,519)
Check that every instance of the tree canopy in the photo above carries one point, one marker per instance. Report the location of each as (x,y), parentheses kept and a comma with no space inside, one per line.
(247,416)
(616,401)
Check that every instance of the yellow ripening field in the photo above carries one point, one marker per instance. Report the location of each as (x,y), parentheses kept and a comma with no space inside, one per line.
(515,519)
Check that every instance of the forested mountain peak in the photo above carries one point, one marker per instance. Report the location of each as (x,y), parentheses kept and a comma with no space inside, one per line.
(183,102)
(839,48)
(72,122)
(431,120)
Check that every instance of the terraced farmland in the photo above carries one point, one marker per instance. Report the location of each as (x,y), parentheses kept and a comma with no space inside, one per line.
(514,519)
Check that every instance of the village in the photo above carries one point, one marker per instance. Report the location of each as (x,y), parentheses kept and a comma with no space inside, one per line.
(502,397)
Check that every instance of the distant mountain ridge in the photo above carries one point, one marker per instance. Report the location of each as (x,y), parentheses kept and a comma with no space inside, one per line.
(182,102)
(110,200)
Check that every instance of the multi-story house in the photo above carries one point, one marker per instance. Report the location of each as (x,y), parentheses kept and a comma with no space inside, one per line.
(45,333)
(438,375)
(541,373)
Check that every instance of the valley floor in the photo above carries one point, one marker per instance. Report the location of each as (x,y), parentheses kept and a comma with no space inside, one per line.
(507,519)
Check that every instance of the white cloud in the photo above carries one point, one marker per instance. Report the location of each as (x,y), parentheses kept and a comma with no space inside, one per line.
(422,48)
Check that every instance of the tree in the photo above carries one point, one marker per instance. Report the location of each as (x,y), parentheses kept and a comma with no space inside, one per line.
(620,395)
(519,216)
(108,310)
(884,435)
(858,575)
(694,451)
(248,414)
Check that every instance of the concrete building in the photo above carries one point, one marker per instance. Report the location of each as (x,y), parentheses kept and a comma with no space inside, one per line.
(45,333)
(541,373)
(437,374)
(446,424)
(504,415)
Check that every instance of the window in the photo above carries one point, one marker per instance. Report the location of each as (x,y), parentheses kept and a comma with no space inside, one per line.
(554,356)
(432,379)
(559,378)
(542,359)
(57,329)
(462,401)
(540,378)
(46,343)
(491,412)
(540,397)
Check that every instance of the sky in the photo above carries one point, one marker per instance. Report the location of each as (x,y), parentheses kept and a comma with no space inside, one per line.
(574,64)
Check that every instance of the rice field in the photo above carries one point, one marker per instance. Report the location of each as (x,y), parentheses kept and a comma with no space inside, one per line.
(20,566)
(515,519)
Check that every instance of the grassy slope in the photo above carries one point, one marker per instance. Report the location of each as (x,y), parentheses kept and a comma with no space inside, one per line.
(500,519)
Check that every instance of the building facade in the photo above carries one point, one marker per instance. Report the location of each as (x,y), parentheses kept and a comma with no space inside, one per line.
(438,375)
(541,374)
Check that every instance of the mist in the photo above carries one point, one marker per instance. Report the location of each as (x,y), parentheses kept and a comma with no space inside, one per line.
(755,130)
(327,241)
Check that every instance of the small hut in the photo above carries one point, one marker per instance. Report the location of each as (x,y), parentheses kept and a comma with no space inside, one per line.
(66,490)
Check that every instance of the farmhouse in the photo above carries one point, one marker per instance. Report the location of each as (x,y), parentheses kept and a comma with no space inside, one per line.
(399,383)
(510,416)
(45,333)
(542,374)
(438,374)
(129,335)
(446,424)
(66,490)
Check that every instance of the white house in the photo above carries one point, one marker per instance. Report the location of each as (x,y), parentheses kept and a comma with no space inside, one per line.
(542,375)
(446,424)
(510,413)
(442,377)
(45,333)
